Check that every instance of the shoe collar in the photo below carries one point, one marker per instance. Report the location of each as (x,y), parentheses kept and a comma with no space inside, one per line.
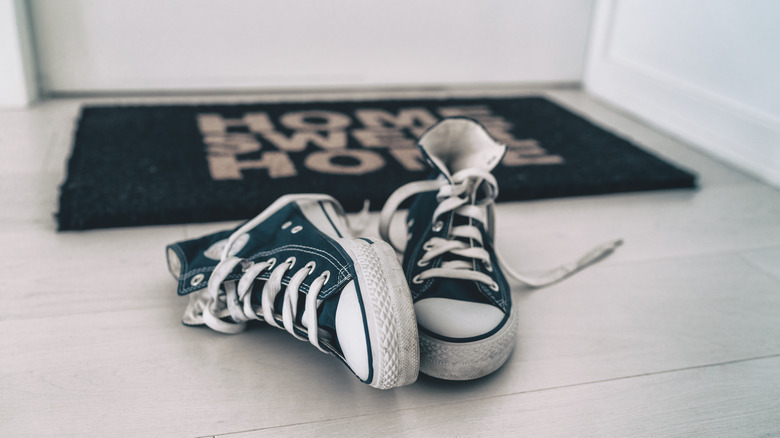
(458,143)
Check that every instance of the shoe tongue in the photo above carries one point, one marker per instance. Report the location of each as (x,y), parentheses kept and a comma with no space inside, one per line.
(455,144)
(326,310)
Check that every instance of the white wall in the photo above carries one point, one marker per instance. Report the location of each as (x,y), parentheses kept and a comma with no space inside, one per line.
(17,72)
(110,45)
(706,70)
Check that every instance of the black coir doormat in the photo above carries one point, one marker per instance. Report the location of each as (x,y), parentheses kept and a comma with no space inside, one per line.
(144,165)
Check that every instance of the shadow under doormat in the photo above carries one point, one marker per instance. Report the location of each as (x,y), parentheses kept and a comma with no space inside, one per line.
(147,165)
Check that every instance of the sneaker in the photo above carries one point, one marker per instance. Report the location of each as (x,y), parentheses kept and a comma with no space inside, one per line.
(467,325)
(297,267)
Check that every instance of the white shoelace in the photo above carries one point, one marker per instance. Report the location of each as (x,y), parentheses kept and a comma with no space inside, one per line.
(465,241)
(234,299)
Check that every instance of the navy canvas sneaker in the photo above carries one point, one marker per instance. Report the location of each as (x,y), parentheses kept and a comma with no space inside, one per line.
(297,267)
(467,325)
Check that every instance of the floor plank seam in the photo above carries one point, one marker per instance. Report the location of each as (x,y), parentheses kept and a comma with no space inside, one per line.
(743,256)
(690,257)
(532,391)
(101,312)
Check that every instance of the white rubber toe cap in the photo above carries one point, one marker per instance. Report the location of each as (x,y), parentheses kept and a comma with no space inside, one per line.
(351,332)
(457,319)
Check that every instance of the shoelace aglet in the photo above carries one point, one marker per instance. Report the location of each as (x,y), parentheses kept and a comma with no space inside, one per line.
(599,253)
(557,274)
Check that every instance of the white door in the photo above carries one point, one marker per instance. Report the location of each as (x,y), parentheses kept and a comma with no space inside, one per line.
(122,45)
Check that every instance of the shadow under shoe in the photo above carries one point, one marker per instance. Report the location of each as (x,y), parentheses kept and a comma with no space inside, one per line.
(297,267)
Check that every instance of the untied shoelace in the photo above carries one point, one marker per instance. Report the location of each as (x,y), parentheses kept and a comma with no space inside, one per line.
(465,241)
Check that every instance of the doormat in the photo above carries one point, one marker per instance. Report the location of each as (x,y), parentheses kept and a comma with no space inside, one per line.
(149,165)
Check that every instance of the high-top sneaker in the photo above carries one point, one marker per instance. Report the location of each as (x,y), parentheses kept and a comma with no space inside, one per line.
(297,267)
(467,325)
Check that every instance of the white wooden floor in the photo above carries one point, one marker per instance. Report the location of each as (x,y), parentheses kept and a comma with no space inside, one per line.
(677,334)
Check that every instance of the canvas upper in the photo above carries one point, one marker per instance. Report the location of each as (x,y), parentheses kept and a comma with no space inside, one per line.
(297,266)
(461,296)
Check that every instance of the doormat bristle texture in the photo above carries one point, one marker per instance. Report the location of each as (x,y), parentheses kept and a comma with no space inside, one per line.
(147,165)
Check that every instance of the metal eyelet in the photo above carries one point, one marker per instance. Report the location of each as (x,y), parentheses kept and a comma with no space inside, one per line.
(246,264)
(488,266)
(437,226)
(271,262)
(422,263)
(427,245)
(286,225)
(311,266)
(494,286)
(417,279)
(325,274)
(197,279)
(296,229)
(290,261)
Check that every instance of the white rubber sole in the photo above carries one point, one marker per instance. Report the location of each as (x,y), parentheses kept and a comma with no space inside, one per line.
(467,360)
(392,326)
